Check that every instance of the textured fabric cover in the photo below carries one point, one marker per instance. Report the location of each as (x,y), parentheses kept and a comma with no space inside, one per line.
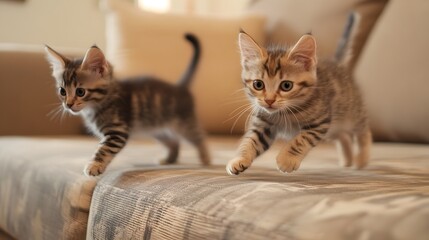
(393,74)
(382,203)
(43,192)
(389,200)
(144,43)
(44,195)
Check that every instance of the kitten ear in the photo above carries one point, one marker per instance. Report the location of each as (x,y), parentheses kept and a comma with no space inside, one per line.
(95,61)
(57,61)
(304,52)
(249,49)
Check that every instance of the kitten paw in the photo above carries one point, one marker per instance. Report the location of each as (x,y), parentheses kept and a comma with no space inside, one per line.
(167,162)
(361,162)
(287,164)
(345,164)
(94,169)
(237,165)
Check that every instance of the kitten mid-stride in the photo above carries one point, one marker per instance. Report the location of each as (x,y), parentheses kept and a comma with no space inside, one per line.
(302,100)
(113,110)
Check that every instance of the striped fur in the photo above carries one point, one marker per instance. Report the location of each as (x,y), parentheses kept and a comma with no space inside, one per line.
(323,104)
(114,110)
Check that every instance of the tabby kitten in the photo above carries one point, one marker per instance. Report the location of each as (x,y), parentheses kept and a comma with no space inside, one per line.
(113,110)
(304,101)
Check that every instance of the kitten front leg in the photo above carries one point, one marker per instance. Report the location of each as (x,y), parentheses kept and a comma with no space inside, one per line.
(364,138)
(172,144)
(256,141)
(112,143)
(290,156)
(345,149)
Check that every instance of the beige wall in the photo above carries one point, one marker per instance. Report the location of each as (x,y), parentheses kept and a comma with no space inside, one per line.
(60,23)
(80,23)
(220,7)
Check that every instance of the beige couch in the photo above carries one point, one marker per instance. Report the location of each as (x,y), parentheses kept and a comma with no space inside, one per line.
(44,195)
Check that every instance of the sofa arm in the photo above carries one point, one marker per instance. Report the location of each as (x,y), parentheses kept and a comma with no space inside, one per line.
(27,94)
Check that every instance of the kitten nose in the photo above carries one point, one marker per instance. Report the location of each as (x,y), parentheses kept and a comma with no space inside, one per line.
(69,105)
(269,101)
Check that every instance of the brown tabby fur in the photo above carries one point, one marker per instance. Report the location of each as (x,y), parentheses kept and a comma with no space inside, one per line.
(323,103)
(113,110)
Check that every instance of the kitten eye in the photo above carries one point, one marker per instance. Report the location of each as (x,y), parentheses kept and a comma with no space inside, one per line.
(80,92)
(258,85)
(286,86)
(63,92)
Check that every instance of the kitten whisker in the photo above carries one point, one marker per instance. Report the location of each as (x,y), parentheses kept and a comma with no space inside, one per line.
(238,91)
(297,121)
(240,108)
(252,113)
(239,113)
(63,113)
(299,109)
(54,113)
(286,121)
(239,116)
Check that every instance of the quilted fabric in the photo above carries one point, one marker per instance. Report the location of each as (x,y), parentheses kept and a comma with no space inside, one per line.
(43,194)
(389,200)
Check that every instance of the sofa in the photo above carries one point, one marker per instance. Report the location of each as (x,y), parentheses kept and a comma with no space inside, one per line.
(44,194)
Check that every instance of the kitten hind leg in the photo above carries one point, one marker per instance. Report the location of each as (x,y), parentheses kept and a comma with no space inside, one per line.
(195,135)
(364,140)
(345,149)
(172,144)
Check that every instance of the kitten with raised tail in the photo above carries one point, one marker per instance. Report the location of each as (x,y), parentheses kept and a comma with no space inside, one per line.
(113,110)
(302,100)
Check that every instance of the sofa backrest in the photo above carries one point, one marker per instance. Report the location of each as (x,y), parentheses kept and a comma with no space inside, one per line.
(27,94)
(393,73)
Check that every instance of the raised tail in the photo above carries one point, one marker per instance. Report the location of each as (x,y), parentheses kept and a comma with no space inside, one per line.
(344,54)
(189,73)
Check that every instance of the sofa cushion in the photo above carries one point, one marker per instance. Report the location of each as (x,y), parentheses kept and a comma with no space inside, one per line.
(44,194)
(389,200)
(144,43)
(393,74)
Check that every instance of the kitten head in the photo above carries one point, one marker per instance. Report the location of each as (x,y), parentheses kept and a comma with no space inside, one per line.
(81,83)
(278,78)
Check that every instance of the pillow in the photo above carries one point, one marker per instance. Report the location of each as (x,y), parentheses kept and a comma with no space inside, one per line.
(143,43)
(290,19)
(393,73)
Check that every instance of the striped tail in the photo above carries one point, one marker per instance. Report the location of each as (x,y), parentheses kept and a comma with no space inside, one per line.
(187,76)
(344,54)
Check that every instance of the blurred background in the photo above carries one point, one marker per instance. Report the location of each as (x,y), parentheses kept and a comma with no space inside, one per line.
(145,37)
(77,24)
